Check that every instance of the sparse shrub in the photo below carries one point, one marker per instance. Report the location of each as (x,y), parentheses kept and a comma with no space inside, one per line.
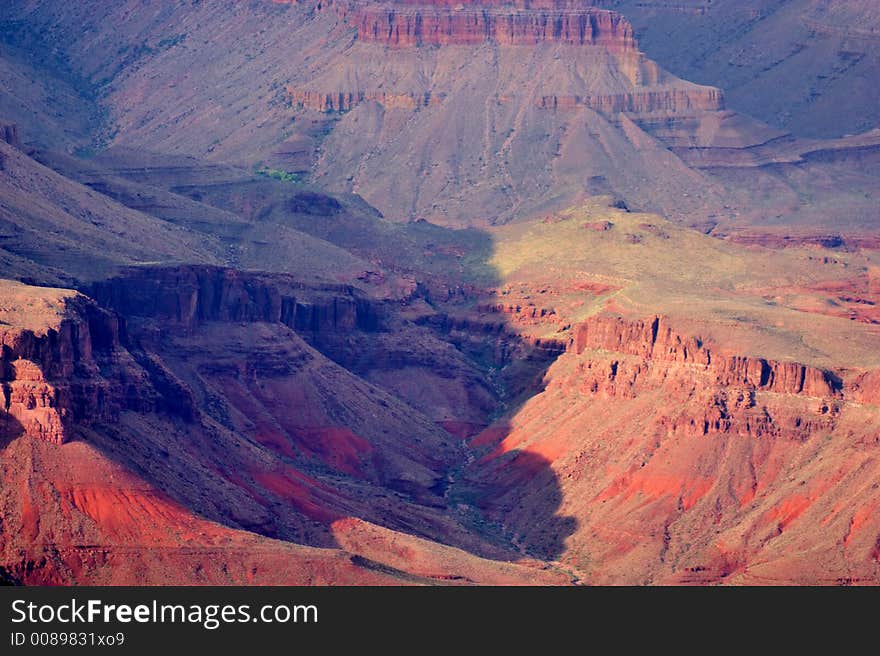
(279,174)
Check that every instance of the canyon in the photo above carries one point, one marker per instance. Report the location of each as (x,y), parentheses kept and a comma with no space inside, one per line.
(496,124)
(159,450)
(424,292)
(786,63)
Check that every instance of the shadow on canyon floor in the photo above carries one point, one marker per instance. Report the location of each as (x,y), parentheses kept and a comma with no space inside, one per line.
(498,492)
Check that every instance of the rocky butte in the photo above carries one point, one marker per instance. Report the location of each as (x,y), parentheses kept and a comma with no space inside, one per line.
(519,70)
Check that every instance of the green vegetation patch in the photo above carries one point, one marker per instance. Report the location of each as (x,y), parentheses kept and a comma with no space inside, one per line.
(279,174)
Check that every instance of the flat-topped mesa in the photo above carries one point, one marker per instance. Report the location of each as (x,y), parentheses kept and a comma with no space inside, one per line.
(403,24)
(408,24)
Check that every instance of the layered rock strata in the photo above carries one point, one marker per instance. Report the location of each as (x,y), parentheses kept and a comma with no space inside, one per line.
(63,376)
(408,24)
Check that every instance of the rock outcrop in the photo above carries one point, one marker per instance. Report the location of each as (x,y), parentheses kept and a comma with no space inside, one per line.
(405,24)
(9,134)
(53,379)
(36,406)
(343,101)
(183,297)
(678,462)
(408,24)
(657,342)
(507,342)
(866,388)
(645,101)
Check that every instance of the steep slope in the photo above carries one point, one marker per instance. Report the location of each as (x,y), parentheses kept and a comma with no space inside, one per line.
(277,96)
(720,428)
(711,420)
(485,153)
(676,475)
(787,62)
(461,113)
(72,221)
(55,230)
(195,415)
(57,112)
(160,462)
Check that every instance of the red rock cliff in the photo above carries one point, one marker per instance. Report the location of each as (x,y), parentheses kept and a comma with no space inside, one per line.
(52,379)
(655,340)
(656,437)
(413,23)
(404,24)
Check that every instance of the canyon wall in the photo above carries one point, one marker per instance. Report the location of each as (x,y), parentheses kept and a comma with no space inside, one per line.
(342,101)
(720,391)
(406,24)
(680,462)
(666,99)
(53,379)
(185,296)
(655,340)
(410,24)
(9,134)
(84,369)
